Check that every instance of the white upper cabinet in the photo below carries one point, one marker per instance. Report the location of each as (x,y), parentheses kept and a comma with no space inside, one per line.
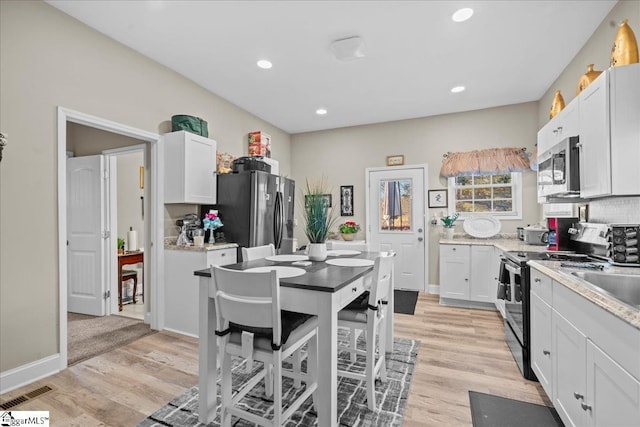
(189,168)
(562,126)
(610,134)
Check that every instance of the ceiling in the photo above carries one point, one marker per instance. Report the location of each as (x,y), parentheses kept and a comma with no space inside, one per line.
(508,52)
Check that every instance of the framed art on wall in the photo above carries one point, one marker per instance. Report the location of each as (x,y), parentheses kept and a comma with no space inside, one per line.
(437,198)
(346,200)
(395,160)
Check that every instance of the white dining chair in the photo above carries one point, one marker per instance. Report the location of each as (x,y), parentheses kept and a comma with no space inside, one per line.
(258,252)
(252,326)
(368,314)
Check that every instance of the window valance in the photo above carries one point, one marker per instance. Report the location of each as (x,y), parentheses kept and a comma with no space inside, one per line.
(487,161)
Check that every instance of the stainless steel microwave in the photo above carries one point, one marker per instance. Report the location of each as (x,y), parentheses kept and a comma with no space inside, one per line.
(559,169)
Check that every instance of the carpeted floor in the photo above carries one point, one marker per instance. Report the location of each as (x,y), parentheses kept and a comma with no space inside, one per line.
(89,336)
(488,410)
(352,406)
(404,302)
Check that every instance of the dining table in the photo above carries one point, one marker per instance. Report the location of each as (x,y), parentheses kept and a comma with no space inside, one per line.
(322,290)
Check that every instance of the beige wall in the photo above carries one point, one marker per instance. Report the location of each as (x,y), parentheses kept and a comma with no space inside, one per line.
(596,51)
(342,155)
(48,59)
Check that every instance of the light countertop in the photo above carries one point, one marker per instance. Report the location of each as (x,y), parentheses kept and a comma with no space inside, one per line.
(503,242)
(563,276)
(170,244)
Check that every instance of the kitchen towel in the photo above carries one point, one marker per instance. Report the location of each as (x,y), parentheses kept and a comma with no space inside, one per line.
(132,240)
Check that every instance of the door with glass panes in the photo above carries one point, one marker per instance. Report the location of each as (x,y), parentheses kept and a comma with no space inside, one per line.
(396,220)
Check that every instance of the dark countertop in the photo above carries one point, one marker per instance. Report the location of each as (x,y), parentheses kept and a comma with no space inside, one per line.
(320,275)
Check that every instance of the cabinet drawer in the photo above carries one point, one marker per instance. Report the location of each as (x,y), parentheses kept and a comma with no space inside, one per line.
(349,292)
(541,286)
(455,251)
(221,257)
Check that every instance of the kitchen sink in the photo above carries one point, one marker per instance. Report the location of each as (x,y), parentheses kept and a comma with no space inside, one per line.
(623,287)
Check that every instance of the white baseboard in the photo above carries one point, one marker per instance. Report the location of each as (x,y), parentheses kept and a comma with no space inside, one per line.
(433,289)
(189,334)
(26,374)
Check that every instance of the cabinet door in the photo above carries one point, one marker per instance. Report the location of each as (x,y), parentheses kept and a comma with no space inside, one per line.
(454,271)
(189,171)
(595,152)
(568,371)
(613,395)
(483,274)
(541,342)
(454,278)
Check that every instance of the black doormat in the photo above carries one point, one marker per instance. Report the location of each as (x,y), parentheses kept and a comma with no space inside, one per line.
(494,411)
(404,302)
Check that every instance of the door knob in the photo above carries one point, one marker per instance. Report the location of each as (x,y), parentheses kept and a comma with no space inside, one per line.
(419,230)
(546,352)
(585,406)
(420,239)
(577,395)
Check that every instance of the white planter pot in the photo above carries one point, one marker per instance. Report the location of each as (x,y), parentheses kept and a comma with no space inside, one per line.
(448,233)
(317,251)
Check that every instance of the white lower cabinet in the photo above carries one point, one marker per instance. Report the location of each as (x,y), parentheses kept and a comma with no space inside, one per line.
(498,254)
(541,342)
(569,368)
(613,395)
(467,274)
(181,285)
(587,360)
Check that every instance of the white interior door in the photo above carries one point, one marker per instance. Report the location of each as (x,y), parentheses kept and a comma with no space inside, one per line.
(396,219)
(85,240)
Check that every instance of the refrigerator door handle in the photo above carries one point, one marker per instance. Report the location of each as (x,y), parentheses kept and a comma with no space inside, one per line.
(278,221)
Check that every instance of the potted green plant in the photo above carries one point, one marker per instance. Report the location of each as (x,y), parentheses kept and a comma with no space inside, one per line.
(318,218)
(120,245)
(348,230)
(448,224)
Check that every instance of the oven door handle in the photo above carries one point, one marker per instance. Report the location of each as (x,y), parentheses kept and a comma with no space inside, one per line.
(515,270)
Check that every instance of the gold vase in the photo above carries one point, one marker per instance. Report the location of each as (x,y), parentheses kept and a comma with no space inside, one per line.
(557,105)
(625,46)
(587,78)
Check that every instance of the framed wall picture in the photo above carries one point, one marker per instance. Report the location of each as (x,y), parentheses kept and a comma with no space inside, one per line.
(395,160)
(346,200)
(437,198)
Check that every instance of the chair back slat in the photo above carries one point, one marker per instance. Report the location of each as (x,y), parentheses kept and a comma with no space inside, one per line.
(381,285)
(258,252)
(249,299)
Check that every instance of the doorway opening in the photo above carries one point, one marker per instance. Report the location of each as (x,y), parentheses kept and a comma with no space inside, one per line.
(123,140)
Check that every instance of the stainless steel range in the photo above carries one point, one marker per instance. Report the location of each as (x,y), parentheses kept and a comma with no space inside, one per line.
(515,285)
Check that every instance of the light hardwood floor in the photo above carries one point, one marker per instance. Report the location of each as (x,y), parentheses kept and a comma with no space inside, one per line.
(460,350)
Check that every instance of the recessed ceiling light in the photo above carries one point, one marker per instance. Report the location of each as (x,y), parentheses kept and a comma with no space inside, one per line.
(321,111)
(462,15)
(458,89)
(264,64)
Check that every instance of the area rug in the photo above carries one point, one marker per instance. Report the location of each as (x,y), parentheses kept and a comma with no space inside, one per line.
(89,336)
(352,405)
(493,411)
(404,302)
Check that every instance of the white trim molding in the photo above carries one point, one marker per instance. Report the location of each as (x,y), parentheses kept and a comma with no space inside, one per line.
(154,250)
(26,374)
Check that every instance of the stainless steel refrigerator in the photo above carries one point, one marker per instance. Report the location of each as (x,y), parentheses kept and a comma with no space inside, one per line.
(256,209)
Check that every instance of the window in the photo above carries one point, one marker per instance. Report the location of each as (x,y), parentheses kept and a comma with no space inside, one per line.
(499,195)
(395,205)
